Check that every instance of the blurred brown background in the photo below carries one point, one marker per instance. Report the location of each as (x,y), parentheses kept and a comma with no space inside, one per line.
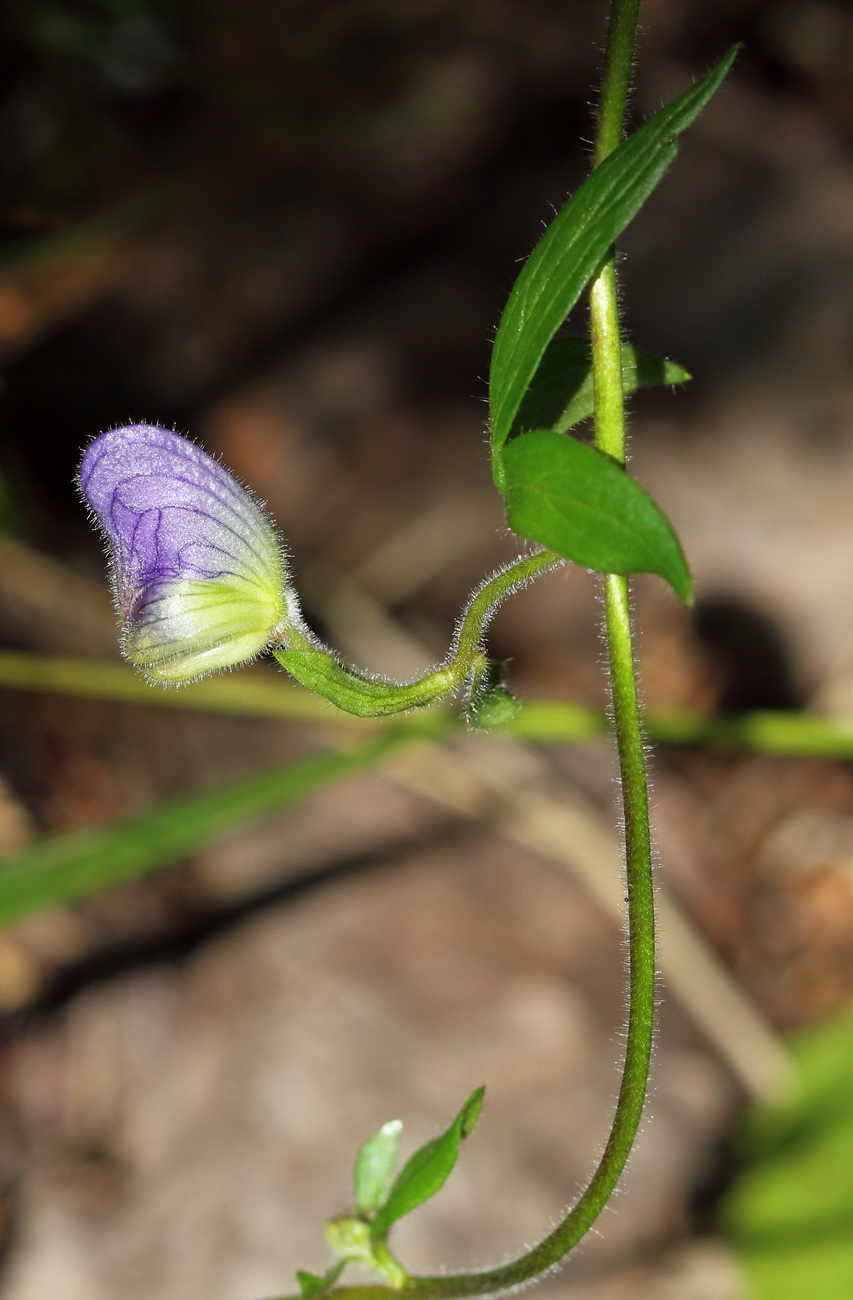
(289,229)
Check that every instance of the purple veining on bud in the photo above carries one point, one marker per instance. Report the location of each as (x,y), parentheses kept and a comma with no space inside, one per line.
(197,570)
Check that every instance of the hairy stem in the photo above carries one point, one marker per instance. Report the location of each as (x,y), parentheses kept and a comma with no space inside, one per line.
(610,437)
(315,666)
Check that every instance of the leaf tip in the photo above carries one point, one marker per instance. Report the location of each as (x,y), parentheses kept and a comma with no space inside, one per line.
(683,587)
(471,1111)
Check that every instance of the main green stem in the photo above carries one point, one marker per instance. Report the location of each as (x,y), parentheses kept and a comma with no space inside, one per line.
(610,438)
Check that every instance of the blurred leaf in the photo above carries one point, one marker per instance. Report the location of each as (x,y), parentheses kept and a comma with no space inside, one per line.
(576,500)
(374,1167)
(824,1057)
(790,1212)
(60,868)
(562,393)
(572,248)
(821,1270)
(428,1169)
(806,1187)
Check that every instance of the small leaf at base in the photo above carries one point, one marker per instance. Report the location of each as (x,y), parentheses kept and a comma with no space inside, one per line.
(312,1283)
(374,1167)
(428,1169)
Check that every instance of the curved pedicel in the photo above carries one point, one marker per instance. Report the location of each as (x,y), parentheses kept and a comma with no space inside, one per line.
(200,582)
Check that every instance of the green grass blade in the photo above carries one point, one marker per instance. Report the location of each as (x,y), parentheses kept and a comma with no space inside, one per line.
(539,721)
(61,868)
(569,252)
(246,694)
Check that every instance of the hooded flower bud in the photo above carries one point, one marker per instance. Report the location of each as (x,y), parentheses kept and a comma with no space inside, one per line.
(197,570)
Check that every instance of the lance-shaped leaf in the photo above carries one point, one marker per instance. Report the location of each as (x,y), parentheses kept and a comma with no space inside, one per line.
(374,1167)
(428,1169)
(197,570)
(576,500)
(573,246)
(562,392)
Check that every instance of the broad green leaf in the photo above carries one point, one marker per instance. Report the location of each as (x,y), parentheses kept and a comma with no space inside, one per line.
(576,500)
(573,246)
(60,868)
(374,1167)
(562,393)
(428,1169)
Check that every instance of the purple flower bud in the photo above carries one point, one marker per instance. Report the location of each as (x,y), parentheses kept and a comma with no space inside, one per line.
(197,570)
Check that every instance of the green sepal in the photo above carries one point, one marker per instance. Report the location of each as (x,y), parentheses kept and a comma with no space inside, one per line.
(374,1168)
(366,697)
(426,1172)
(573,247)
(562,392)
(581,503)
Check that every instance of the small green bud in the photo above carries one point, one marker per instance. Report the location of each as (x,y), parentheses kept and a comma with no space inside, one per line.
(490,703)
(349,1237)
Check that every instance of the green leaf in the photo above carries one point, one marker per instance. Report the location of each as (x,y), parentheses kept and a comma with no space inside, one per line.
(312,1283)
(428,1169)
(374,1167)
(562,394)
(572,248)
(576,500)
(60,868)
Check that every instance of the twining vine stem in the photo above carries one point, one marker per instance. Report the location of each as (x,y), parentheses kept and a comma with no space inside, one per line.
(609,438)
